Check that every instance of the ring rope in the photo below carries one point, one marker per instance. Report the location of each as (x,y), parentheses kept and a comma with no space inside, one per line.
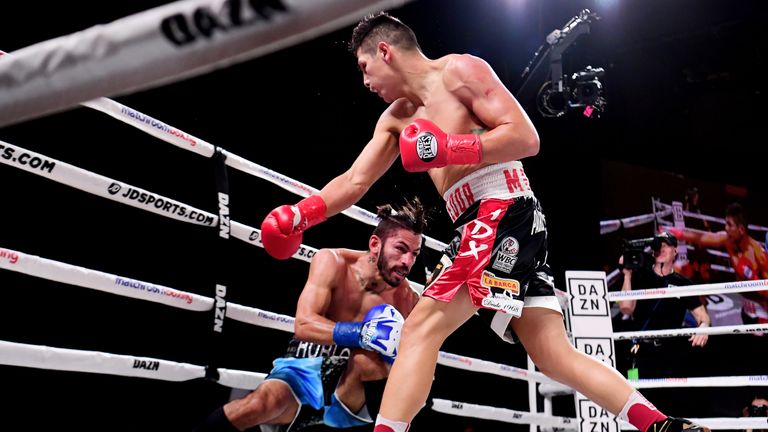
(667,333)
(502,414)
(78,276)
(484,366)
(133,196)
(571,424)
(65,359)
(711,218)
(17,354)
(192,143)
(162,45)
(127,287)
(609,226)
(690,290)
(25,355)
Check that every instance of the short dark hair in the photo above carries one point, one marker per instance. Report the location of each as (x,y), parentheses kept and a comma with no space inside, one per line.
(378,27)
(410,215)
(736,212)
(664,236)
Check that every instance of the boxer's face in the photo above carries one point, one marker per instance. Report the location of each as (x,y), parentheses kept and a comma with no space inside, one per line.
(733,229)
(397,255)
(377,75)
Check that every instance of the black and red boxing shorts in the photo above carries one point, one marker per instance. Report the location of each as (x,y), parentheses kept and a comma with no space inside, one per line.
(499,250)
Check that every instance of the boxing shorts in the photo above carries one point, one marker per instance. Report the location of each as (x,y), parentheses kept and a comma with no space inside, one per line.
(312,372)
(500,247)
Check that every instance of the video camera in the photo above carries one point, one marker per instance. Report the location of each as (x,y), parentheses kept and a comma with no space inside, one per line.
(757,411)
(635,254)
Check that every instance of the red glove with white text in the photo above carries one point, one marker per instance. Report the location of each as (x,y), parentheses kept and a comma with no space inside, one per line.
(281,231)
(423,146)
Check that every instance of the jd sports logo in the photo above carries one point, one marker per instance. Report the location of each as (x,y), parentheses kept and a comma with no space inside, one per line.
(184,29)
(114,188)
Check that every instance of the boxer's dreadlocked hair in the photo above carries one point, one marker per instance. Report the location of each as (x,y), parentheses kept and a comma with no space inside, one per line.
(410,216)
(381,27)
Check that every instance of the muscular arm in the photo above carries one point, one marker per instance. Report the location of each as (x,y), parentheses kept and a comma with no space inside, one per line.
(511,135)
(311,324)
(705,239)
(375,159)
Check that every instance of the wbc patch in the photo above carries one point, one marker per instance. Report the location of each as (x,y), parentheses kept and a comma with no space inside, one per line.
(506,257)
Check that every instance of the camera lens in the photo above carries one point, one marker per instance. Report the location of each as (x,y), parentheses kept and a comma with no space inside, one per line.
(758,411)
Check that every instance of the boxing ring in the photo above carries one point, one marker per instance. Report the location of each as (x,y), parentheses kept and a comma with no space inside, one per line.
(64,359)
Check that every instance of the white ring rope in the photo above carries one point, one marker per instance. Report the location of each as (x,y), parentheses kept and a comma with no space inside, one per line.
(172,135)
(105,187)
(719,330)
(484,366)
(611,225)
(571,424)
(191,143)
(64,359)
(127,287)
(152,48)
(502,414)
(690,290)
(710,218)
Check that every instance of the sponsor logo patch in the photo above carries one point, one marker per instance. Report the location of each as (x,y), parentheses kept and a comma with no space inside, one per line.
(490,280)
(426,146)
(506,257)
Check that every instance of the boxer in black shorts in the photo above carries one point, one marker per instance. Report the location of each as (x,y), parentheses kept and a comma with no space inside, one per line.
(453,118)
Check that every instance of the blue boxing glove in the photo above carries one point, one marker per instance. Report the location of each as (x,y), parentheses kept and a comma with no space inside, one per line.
(379,331)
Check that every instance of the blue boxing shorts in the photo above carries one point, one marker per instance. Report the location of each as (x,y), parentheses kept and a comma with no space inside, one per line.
(312,372)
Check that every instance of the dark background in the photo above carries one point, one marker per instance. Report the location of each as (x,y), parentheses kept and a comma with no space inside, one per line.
(686,94)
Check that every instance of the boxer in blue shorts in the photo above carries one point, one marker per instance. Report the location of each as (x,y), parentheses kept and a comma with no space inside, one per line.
(347,328)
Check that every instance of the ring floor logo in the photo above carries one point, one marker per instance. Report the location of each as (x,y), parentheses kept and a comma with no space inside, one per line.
(160,203)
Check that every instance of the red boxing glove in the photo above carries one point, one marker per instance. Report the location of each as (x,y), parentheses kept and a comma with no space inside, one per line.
(282,229)
(423,146)
(677,232)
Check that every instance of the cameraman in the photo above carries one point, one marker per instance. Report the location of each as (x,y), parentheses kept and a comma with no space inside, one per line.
(650,356)
(757,408)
